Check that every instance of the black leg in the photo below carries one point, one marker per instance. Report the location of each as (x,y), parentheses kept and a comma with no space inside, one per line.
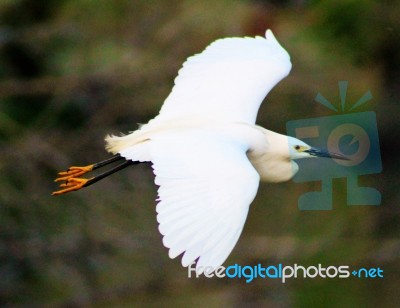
(109,172)
(106,162)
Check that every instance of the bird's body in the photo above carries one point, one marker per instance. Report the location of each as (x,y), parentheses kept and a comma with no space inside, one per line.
(267,151)
(207,153)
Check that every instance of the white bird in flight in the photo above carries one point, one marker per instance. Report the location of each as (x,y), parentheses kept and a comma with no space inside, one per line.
(207,153)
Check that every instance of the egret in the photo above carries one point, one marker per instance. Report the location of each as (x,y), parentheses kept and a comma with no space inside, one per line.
(206,151)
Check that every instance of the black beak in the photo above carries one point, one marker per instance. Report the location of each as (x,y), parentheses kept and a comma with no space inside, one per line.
(324,153)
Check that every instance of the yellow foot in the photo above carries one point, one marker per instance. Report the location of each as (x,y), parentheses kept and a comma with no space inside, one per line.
(71,184)
(73,172)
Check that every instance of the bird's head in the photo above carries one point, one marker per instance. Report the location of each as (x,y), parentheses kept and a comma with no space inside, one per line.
(299,149)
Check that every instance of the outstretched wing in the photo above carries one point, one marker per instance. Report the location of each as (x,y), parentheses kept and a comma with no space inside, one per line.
(228,80)
(206,186)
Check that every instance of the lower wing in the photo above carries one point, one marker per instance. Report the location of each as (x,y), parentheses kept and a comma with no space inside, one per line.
(206,186)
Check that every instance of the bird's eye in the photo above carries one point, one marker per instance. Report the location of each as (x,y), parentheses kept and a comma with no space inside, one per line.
(297,147)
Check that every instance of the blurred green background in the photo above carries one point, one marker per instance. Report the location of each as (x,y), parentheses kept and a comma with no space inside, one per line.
(72,71)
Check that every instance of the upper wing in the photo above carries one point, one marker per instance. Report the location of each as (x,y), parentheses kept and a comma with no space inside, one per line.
(229,79)
(206,186)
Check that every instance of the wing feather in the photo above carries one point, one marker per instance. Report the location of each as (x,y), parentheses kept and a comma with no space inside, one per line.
(228,80)
(206,186)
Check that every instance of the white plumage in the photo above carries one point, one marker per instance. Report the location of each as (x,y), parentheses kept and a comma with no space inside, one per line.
(193,150)
(206,151)
(228,80)
(198,215)
(197,142)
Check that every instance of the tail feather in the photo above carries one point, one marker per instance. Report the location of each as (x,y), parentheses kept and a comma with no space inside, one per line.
(129,146)
(114,144)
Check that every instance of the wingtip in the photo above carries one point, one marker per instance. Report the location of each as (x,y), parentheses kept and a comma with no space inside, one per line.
(269,35)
